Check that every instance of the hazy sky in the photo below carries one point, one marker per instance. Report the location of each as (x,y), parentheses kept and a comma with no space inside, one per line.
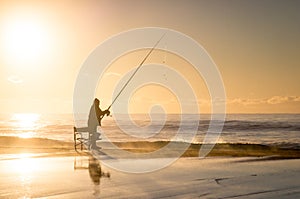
(255,45)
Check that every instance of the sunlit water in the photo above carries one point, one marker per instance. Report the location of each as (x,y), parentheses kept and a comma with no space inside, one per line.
(30,125)
(267,129)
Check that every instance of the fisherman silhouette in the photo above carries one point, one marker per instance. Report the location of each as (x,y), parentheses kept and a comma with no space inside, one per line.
(95,117)
(96,114)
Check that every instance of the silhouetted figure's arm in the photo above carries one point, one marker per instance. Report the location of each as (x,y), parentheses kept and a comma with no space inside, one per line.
(100,114)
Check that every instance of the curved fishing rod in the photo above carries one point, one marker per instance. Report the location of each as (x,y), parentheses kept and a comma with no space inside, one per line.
(136,70)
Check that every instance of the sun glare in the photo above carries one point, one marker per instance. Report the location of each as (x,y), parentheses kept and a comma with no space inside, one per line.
(24,40)
(26,120)
(25,164)
(26,123)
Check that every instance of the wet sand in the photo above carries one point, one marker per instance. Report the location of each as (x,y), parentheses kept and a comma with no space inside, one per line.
(215,177)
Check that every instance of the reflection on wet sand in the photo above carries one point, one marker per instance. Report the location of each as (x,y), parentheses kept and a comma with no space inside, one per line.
(31,176)
(96,173)
(93,165)
(95,170)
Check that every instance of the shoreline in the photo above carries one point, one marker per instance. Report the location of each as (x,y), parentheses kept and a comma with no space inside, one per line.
(16,145)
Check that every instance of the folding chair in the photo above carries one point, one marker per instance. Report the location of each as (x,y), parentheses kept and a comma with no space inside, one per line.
(82,137)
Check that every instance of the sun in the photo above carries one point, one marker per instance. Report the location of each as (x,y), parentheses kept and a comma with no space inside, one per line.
(24,39)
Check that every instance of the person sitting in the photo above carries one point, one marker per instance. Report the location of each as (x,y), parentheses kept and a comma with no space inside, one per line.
(95,117)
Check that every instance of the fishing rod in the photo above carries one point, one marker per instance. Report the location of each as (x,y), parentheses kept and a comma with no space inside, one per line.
(136,70)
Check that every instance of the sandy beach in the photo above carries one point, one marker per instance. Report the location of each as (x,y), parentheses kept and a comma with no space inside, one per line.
(24,176)
(45,168)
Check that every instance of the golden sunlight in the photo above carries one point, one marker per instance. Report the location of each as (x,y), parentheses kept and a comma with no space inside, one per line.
(25,164)
(24,40)
(26,122)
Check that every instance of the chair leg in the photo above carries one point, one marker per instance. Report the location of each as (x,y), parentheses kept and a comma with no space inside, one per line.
(80,140)
(74,128)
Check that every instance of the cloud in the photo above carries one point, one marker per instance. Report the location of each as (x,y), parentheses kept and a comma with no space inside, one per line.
(241,101)
(271,100)
(277,100)
(245,101)
(15,79)
(296,98)
(112,74)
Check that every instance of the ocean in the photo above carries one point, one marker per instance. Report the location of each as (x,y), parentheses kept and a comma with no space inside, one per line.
(265,129)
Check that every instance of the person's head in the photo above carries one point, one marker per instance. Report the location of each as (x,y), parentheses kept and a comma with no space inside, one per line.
(96,102)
